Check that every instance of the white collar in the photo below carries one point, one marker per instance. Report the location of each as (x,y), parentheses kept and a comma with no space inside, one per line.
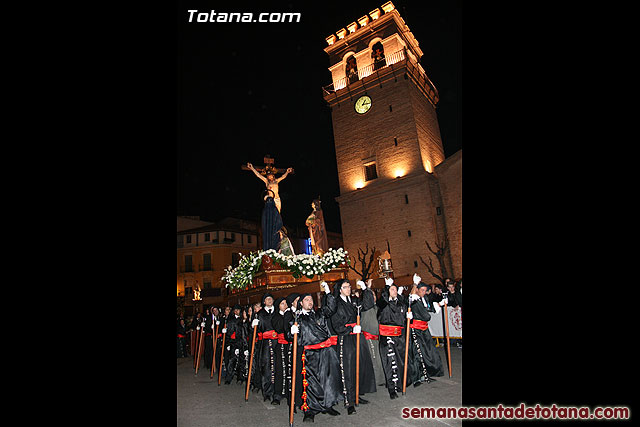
(305,311)
(344,298)
(282,312)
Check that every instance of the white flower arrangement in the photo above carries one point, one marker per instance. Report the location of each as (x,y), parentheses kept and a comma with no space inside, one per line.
(299,265)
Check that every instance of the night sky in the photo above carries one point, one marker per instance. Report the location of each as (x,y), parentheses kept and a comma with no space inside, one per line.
(250,89)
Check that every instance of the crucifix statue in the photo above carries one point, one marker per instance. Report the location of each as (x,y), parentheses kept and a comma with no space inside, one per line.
(267,174)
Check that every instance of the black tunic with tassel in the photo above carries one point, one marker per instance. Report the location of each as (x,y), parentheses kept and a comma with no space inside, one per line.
(392,348)
(424,359)
(320,387)
(346,313)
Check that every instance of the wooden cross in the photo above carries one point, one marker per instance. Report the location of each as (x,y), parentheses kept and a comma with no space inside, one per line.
(267,168)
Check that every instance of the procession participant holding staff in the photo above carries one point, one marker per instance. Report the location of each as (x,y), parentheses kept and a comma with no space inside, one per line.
(425,361)
(269,337)
(317,376)
(233,343)
(281,352)
(392,318)
(343,321)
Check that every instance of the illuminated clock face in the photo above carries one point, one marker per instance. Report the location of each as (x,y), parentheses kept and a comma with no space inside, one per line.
(363,104)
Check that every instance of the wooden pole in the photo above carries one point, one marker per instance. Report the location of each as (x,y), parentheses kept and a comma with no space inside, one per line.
(253,346)
(224,336)
(293,376)
(194,350)
(406,352)
(358,361)
(200,349)
(215,343)
(446,323)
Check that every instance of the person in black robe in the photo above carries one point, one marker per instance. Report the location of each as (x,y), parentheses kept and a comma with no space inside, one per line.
(215,323)
(281,351)
(194,327)
(392,317)
(182,339)
(424,359)
(256,373)
(269,338)
(343,321)
(209,330)
(245,333)
(288,318)
(233,343)
(318,384)
(220,351)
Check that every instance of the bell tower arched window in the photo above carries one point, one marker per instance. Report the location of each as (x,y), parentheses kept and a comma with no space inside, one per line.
(377,54)
(351,69)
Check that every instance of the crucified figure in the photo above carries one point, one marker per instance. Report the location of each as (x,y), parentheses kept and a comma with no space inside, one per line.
(271,182)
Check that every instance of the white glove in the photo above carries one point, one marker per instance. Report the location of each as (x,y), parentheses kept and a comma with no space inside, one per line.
(444,301)
(325,287)
(203,323)
(294,329)
(246,353)
(400,289)
(228,348)
(388,281)
(224,330)
(237,352)
(217,322)
(197,328)
(255,322)
(413,297)
(416,279)
(361,285)
(409,315)
(357,329)
(213,326)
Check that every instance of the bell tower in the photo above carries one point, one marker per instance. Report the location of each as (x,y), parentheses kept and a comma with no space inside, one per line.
(387,139)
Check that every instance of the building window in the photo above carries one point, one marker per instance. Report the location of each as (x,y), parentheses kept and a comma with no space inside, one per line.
(249,238)
(370,172)
(395,141)
(206,261)
(438,210)
(235,259)
(188,263)
(390,109)
(406,199)
(188,238)
(207,284)
(415,264)
(207,237)
(409,233)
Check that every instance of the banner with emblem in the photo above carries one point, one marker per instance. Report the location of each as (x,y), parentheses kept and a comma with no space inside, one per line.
(455,323)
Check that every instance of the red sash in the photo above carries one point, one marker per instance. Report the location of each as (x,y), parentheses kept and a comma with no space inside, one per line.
(366,334)
(181,336)
(369,336)
(268,335)
(390,330)
(333,340)
(233,336)
(419,324)
(282,339)
(208,334)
